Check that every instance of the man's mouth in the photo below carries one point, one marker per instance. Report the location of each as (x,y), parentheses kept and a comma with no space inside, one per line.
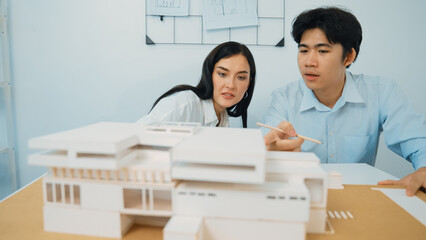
(311,76)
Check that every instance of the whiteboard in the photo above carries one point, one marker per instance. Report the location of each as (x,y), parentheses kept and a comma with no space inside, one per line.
(189,29)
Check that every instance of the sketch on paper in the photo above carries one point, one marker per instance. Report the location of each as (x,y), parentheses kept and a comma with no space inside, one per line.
(168,7)
(167,3)
(267,29)
(229,13)
(223,7)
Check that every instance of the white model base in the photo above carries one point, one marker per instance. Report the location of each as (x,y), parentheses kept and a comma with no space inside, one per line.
(86,222)
(228,229)
(317,221)
(184,228)
(196,228)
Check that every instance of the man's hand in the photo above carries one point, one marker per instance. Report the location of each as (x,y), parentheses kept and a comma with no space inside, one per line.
(278,141)
(413,182)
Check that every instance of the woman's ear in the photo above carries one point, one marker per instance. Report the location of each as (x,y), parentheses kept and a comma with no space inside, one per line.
(350,57)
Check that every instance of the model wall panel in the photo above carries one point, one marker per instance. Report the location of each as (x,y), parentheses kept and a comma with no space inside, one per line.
(227,229)
(101,196)
(317,220)
(292,204)
(84,222)
(184,228)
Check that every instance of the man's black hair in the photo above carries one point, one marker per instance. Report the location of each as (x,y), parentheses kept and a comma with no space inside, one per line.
(338,25)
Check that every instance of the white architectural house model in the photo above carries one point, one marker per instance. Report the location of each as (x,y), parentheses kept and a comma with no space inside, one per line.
(213,183)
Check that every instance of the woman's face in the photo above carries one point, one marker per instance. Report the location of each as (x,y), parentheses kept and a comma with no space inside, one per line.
(231,79)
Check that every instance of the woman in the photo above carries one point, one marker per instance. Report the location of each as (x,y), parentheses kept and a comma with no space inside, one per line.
(226,88)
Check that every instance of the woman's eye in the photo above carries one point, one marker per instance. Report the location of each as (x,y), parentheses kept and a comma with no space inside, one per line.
(221,74)
(242,77)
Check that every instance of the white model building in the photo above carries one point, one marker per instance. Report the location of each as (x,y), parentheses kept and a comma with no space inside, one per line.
(213,183)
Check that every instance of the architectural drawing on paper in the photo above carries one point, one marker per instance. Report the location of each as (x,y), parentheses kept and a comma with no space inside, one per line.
(224,14)
(104,176)
(167,3)
(167,7)
(225,7)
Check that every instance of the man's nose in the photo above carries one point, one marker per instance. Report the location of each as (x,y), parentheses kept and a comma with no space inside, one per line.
(311,59)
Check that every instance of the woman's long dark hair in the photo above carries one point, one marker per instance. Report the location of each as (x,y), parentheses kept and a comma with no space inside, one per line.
(204,89)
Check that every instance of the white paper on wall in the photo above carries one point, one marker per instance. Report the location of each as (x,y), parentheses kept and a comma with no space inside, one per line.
(219,14)
(168,7)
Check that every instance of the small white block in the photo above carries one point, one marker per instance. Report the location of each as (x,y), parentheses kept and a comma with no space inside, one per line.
(337,214)
(343,215)
(335,180)
(330,213)
(183,227)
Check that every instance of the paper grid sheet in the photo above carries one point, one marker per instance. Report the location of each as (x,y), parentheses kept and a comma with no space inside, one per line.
(189,29)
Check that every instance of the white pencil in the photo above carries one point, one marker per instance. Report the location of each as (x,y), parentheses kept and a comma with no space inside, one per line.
(297,135)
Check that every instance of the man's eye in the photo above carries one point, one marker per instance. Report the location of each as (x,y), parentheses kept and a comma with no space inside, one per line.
(323,51)
(303,51)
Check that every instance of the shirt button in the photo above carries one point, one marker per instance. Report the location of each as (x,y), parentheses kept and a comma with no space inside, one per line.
(331,133)
(331,155)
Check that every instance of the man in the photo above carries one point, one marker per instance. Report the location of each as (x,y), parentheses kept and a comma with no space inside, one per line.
(347,112)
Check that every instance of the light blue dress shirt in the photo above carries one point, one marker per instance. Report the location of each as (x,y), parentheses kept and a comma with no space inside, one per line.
(350,130)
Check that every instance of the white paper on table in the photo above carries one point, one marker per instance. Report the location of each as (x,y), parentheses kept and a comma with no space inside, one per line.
(229,13)
(413,205)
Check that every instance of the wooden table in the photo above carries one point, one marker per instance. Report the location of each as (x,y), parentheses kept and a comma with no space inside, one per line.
(375,217)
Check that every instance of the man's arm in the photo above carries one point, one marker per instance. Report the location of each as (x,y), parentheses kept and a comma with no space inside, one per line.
(277,115)
(405,134)
(413,182)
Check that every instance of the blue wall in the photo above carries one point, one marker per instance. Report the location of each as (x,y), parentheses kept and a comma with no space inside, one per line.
(76,62)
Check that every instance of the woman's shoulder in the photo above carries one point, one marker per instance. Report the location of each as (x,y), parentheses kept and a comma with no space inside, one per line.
(178,107)
(180,99)
(187,94)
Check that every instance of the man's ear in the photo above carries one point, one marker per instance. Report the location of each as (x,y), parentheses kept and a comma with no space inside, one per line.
(350,57)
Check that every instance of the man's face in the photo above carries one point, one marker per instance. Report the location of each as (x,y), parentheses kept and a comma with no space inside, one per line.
(320,62)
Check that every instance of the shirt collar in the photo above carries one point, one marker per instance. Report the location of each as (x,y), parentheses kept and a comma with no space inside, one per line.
(350,94)
(350,91)
(210,118)
(309,99)
(209,113)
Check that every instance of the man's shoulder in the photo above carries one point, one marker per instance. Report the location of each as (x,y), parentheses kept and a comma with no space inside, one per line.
(289,89)
(374,81)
